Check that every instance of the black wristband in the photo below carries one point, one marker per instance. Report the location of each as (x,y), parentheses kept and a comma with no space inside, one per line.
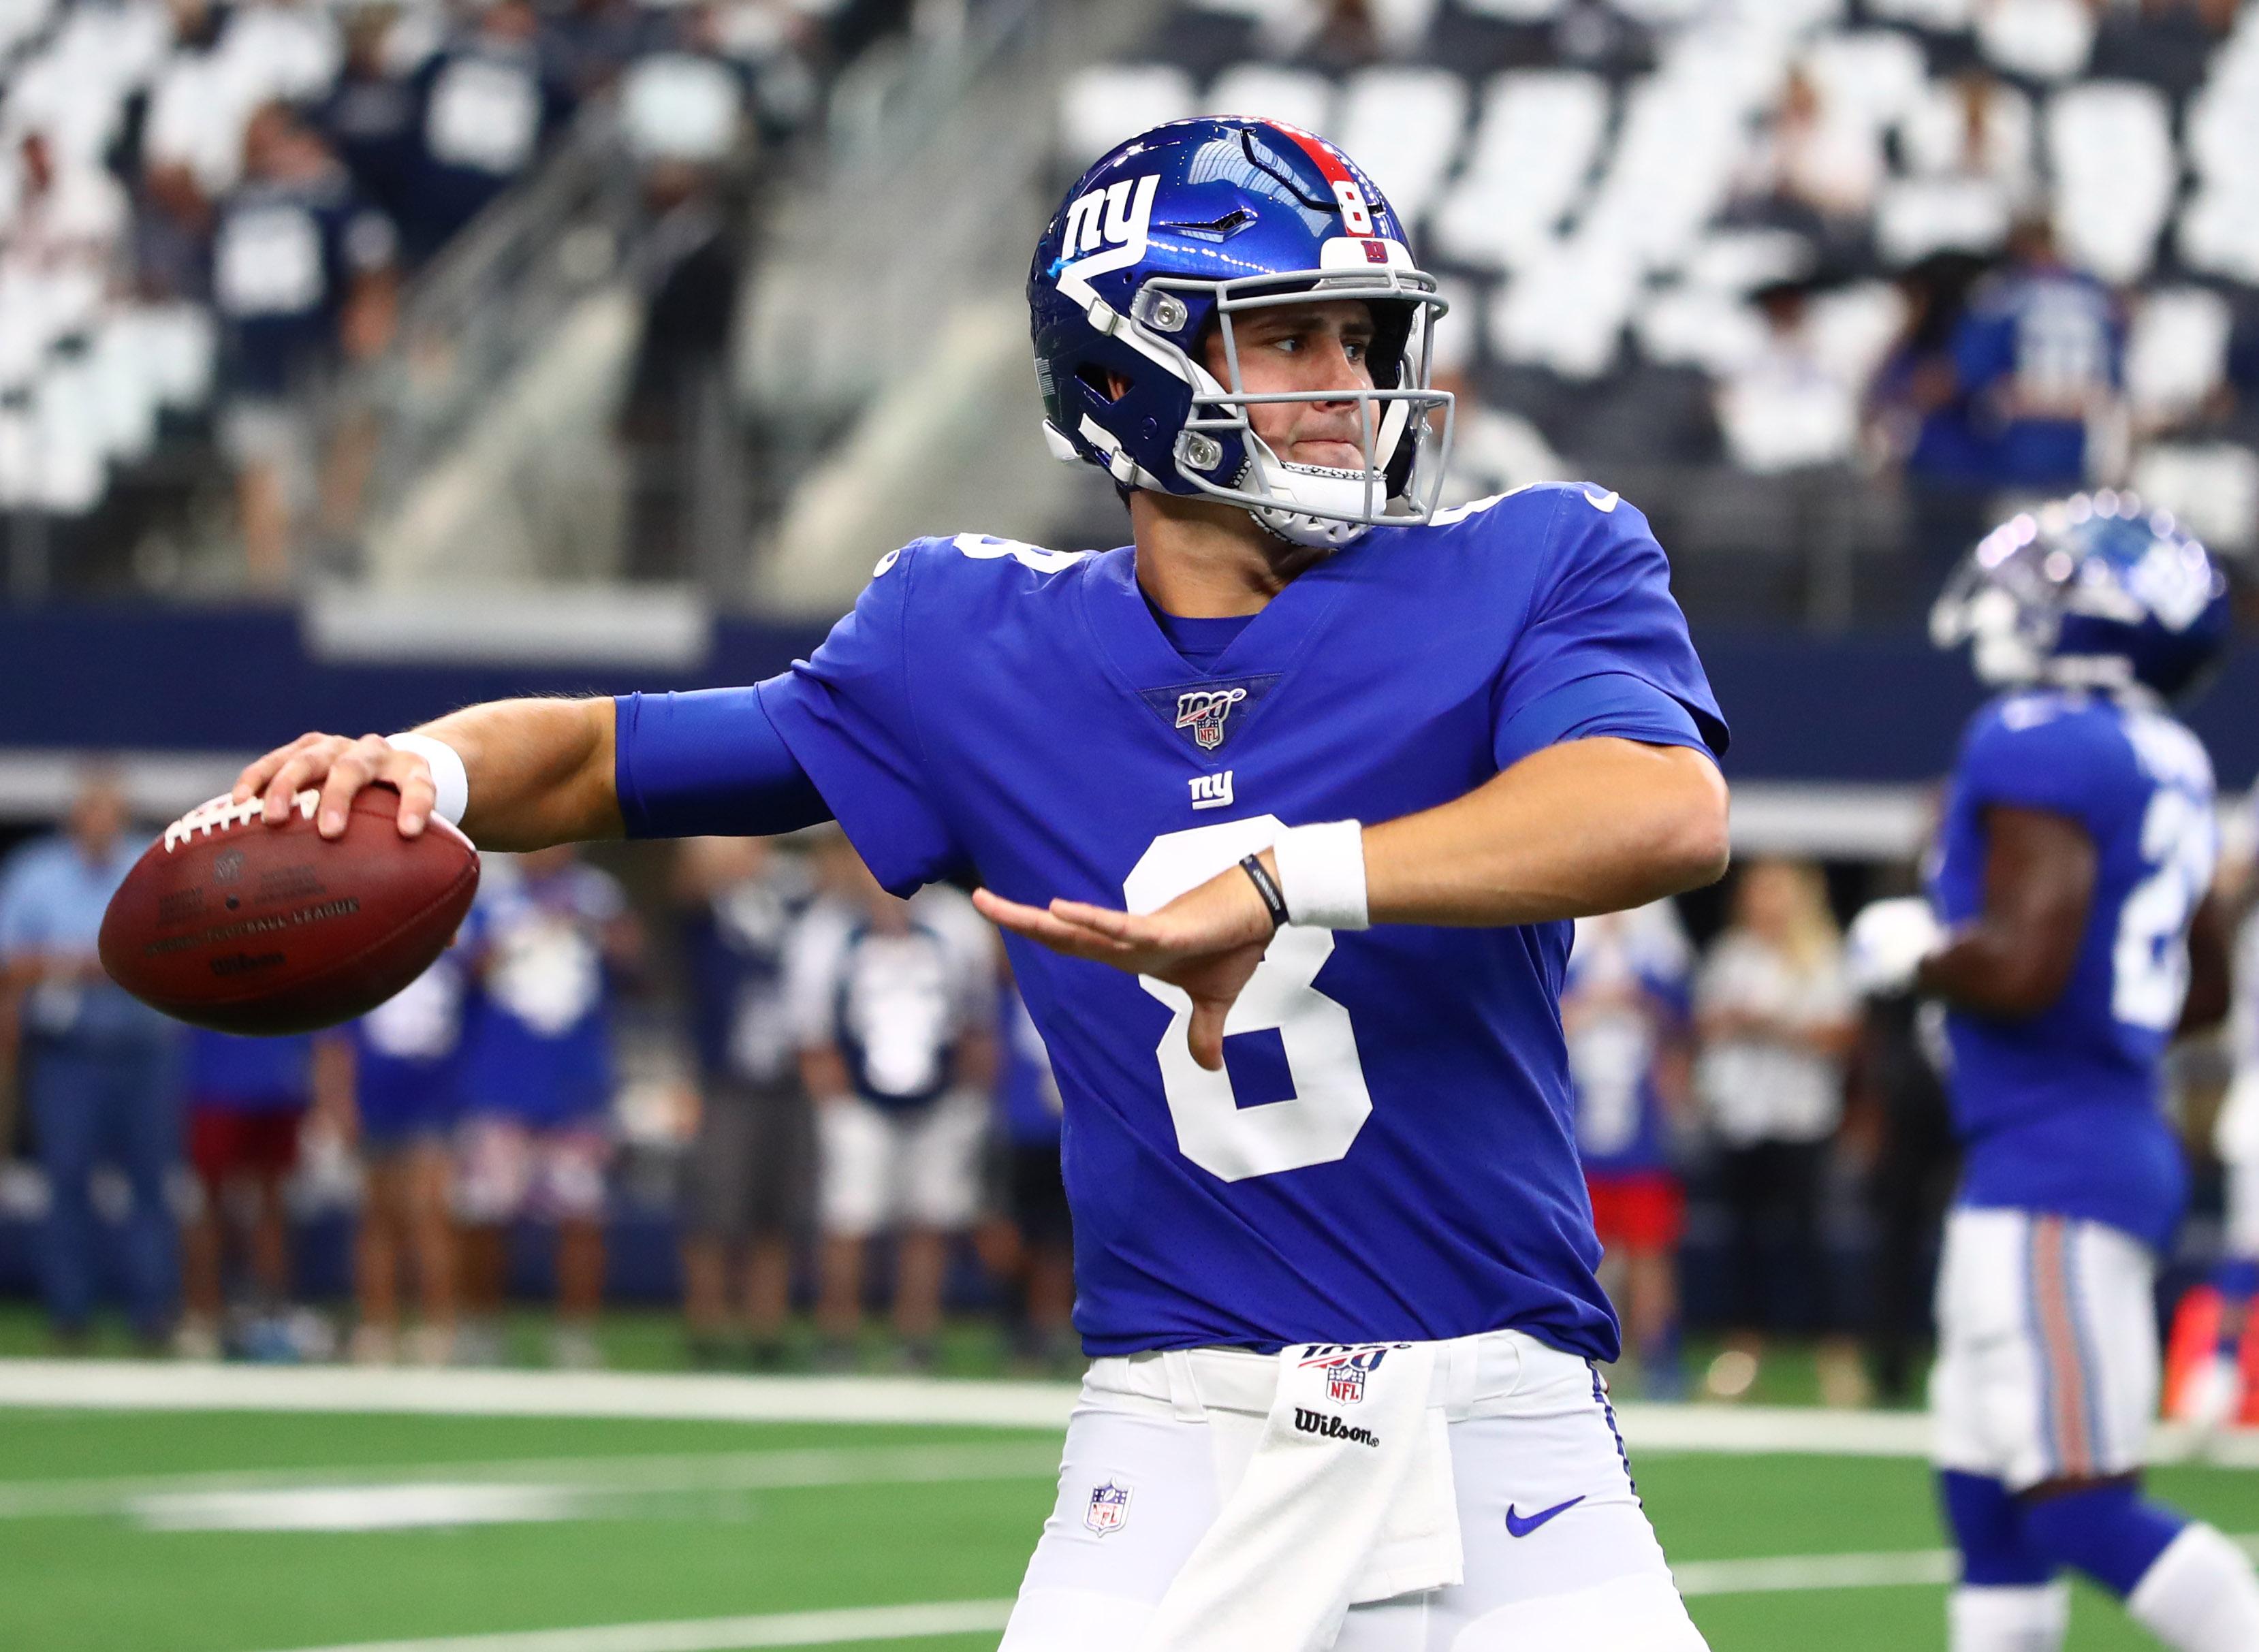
(1266,885)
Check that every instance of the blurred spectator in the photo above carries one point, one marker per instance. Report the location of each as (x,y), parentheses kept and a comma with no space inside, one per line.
(1788,407)
(1917,420)
(247,1104)
(1775,1015)
(2039,355)
(97,1066)
(489,101)
(1624,1011)
(551,936)
(894,1002)
(406,1088)
(65,239)
(1812,159)
(587,43)
(690,281)
(746,1183)
(369,116)
(1042,1260)
(1975,129)
(302,275)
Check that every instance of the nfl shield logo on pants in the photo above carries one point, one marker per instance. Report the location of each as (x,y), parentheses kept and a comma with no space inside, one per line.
(1109,1510)
(1345,1384)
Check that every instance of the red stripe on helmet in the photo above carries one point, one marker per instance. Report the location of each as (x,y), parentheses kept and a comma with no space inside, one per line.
(1318,149)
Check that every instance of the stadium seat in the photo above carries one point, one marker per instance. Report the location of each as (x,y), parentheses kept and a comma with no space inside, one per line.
(1671,171)
(1875,75)
(1917,216)
(67,426)
(2213,487)
(1515,11)
(1533,149)
(1109,103)
(2219,233)
(184,346)
(2177,352)
(1939,16)
(1404,126)
(195,119)
(1566,311)
(1686,326)
(288,49)
(2110,145)
(2039,39)
(1741,260)
(125,388)
(675,106)
(1294,95)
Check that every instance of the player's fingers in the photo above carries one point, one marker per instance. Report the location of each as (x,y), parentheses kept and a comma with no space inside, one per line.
(308,766)
(1129,927)
(1039,925)
(410,775)
(257,774)
(1206,1033)
(349,772)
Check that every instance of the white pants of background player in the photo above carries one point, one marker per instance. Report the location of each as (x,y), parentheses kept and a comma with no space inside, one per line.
(1529,1430)
(879,1167)
(2048,1369)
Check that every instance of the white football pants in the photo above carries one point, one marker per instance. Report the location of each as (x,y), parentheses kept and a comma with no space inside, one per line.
(1531,1436)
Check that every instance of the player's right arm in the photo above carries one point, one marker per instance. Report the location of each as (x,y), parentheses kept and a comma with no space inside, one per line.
(2015,959)
(541,771)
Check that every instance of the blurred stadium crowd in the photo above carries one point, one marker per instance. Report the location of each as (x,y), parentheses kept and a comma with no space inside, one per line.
(828,1101)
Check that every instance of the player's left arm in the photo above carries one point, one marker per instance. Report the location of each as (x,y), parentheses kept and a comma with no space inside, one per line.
(1584,827)
(2015,959)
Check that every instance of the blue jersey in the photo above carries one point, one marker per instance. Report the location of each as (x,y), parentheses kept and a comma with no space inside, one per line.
(2037,347)
(1026,1090)
(1626,993)
(250,1075)
(407,1052)
(1391,1152)
(2063,1111)
(735,946)
(538,1046)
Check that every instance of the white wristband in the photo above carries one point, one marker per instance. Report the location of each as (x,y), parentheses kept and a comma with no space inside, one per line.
(449,778)
(1321,875)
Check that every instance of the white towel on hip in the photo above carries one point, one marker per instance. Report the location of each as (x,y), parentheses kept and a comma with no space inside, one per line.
(1347,1498)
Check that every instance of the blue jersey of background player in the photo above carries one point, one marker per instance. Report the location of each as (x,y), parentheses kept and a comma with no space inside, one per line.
(1314,1085)
(2076,851)
(538,1048)
(407,1055)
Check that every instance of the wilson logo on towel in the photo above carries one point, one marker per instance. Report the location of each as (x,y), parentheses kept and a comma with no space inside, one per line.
(1327,1427)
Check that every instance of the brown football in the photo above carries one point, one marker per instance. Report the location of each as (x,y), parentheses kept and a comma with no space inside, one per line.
(229,923)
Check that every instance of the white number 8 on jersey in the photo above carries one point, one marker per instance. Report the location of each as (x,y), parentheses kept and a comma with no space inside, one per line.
(1331,1103)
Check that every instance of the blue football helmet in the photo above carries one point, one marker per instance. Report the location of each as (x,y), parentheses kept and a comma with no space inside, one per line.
(2094,591)
(1182,229)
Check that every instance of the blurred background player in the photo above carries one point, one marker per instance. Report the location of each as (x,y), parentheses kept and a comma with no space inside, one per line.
(97,1067)
(1775,1017)
(1040,1258)
(551,936)
(406,1089)
(248,1103)
(894,1005)
(1624,1009)
(745,1183)
(2077,851)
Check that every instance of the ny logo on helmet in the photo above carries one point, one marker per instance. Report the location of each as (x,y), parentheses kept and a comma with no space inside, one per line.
(1203,710)
(1116,215)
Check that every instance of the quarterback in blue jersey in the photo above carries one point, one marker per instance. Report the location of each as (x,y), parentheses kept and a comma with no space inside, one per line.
(1286,808)
(2076,851)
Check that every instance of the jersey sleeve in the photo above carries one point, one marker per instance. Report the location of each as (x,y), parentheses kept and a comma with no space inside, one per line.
(847,715)
(1604,649)
(707,765)
(2033,753)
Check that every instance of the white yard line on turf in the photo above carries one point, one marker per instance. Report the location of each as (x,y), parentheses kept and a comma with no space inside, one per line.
(715,1471)
(129,1385)
(1775,1574)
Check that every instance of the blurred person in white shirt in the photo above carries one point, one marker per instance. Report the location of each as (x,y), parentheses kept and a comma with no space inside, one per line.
(894,1002)
(1777,1020)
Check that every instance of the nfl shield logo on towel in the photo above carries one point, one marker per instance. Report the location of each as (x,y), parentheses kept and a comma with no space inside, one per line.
(1109,1510)
(1345,1384)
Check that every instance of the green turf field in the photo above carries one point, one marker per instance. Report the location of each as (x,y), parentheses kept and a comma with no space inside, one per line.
(158,1531)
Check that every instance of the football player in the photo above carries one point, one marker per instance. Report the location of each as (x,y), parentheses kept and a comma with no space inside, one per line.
(2077,850)
(1285,807)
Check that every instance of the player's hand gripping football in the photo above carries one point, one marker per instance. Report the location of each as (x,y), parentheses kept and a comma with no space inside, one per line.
(1206,941)
(341,768)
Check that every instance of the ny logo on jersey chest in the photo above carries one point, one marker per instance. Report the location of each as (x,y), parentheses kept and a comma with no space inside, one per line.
(1211,791)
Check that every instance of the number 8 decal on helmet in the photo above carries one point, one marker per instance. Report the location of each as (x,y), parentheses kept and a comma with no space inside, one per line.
(1357,217)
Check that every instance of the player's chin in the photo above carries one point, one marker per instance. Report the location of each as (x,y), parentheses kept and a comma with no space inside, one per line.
(1326,455)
